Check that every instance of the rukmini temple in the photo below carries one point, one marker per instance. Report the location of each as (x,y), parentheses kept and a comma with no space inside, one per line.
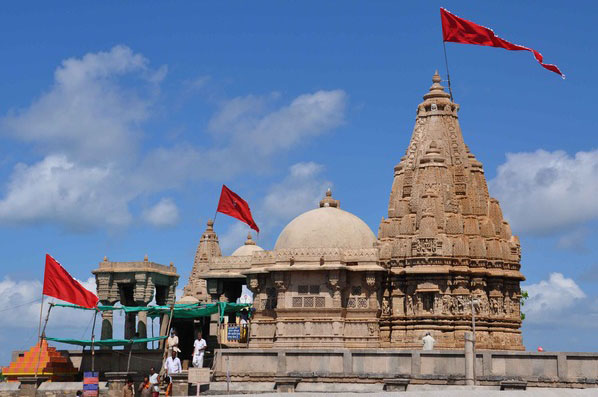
(329,282)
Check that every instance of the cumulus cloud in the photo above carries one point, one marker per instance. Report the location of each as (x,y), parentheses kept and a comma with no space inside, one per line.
(58,190)
(549,298)
(542,192)
(88,114)
(306,116)
(89,125)
(164,213)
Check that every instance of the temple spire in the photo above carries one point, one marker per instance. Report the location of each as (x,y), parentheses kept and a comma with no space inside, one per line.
(207,248)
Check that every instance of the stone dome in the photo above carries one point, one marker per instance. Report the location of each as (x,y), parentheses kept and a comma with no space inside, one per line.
(248,248)
(326,227)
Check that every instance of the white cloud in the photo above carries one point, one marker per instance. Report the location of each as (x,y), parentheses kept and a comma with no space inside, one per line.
(253,131)
(58,190)
(549,298)
(88,128)
(542,192)
(164,213)
(20,303)
(233,238)
(299,191)
(88,113)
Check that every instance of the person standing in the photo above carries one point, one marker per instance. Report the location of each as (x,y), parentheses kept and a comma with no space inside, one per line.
(172,343)
(155,382)
(173,364)
(199,347)
(128,388)
(428,341)
(145,388)
(168,391)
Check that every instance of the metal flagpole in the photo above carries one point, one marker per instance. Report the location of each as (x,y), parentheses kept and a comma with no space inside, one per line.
(39,327)
(448,75)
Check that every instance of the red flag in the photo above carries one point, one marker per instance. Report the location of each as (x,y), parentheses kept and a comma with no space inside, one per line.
(459,30)
(61,285)
(231,204)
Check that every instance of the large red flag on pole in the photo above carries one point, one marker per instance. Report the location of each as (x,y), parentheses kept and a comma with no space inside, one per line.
(459,30)
(231,204)
(59,284)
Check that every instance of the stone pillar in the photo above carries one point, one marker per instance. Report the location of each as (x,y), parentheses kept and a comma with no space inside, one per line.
(180,387)
(107,327)
(129,325)
(469,359)
(142,327)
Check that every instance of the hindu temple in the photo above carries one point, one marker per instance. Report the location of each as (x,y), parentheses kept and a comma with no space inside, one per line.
(442,251)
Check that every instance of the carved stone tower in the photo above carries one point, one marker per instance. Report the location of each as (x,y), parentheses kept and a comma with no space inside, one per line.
(208,248)
(445,242)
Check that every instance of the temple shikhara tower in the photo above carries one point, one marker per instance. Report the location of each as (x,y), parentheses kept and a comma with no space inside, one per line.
(445,242)
(443,249)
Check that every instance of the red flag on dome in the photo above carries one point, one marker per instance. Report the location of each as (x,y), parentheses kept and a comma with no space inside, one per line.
(459,30)
(59,284)
(231,204)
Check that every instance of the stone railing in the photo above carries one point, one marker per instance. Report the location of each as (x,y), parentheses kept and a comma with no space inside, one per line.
(375,366)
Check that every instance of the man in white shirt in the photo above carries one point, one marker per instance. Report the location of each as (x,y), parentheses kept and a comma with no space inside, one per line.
(154,380)
(199,346)
(173,364)
(428,342)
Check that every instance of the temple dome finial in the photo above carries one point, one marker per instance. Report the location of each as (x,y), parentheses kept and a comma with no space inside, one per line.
(328,201)
(437,90)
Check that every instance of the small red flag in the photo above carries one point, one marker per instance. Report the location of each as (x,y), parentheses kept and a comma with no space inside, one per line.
(459,30)
(59,284)
(231,204)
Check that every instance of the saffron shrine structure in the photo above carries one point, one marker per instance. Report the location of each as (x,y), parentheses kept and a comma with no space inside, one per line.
(330,283)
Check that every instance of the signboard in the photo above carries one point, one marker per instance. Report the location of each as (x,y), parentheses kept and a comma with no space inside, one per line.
(91,386)
(199,376)
(234,333)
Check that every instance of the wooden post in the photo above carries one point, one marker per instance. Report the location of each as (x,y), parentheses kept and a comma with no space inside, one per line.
(93,337)
(41,338)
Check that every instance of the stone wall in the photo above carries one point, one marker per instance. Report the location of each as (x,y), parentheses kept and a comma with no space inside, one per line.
(547,369)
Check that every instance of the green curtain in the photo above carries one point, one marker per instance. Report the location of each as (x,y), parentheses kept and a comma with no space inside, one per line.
(105,342)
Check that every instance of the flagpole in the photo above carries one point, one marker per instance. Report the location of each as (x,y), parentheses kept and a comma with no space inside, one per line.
(448,75)
(93,337)
(42,336)
(39,327)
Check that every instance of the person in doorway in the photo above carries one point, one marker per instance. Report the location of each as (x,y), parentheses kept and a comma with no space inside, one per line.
(172,342)
(428,341)
(128,388)
(199,347)
(173,364)
(145,388)
(155,381)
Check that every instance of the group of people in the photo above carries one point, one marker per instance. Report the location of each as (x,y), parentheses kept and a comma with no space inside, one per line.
(172,365)
(150,387)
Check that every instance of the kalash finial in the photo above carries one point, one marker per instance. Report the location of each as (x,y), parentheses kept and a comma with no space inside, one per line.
(436,90)
(210,224)
(249,240)
(328,201)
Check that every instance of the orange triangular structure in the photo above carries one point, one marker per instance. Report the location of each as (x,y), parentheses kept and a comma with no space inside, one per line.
(51,363)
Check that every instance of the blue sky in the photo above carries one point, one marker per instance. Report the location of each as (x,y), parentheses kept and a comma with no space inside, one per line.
(120,121)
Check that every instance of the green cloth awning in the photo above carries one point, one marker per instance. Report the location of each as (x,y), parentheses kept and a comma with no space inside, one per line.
(192,310)
(105,342)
